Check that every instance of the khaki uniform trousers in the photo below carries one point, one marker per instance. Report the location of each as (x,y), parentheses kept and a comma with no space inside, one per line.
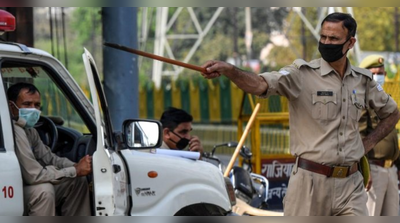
(313,194)
(383,197)
(70,197)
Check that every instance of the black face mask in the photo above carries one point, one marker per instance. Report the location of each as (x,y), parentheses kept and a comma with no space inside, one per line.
(332,52)
(182,143)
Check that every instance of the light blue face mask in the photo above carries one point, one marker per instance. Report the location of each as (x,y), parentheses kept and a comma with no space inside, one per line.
(379,78)
(30,115)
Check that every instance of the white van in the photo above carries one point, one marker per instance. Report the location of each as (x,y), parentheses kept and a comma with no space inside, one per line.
(126,180)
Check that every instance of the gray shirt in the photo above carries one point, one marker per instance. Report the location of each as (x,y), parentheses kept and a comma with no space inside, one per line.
(38,163)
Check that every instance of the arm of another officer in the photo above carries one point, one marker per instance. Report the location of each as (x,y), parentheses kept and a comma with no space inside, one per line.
(247,81)
(383,129)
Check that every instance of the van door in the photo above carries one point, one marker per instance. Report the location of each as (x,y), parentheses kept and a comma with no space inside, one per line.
(109,174)
(11,187)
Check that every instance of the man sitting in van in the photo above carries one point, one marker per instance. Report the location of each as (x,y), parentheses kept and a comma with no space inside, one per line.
(50,181)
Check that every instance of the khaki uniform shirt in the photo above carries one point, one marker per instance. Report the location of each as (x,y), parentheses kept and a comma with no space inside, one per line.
(38,163)
(324,109)
(164,146)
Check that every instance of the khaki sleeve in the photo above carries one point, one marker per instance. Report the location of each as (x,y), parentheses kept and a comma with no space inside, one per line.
(43,153)
(34,172)
(380,101)
(285,82)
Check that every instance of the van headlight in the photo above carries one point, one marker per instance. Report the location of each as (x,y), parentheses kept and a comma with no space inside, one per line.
(230,190)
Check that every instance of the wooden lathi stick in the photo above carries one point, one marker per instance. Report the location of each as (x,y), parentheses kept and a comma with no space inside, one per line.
(155,57)
(242,139)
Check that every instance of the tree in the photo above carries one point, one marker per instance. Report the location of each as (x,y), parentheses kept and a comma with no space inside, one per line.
(375,28)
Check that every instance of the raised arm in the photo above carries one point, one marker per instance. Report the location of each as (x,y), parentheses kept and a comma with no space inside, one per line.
(247,81)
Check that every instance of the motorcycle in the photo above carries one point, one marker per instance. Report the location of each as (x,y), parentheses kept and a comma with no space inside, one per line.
(249,187)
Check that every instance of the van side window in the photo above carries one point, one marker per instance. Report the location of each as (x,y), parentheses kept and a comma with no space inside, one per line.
(54,103)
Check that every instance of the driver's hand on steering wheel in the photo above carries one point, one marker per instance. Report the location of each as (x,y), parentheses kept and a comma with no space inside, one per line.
(84,166)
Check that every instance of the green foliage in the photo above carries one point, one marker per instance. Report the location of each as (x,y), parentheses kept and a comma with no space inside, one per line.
(375,28)
(218,46)
(279,57)
(83,29)
(86,22)
(87,27)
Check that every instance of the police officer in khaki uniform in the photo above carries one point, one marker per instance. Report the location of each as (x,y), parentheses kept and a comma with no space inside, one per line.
(383,199)
(326,98)
(49,181)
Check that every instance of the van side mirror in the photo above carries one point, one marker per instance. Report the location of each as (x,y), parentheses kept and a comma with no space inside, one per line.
(142,134)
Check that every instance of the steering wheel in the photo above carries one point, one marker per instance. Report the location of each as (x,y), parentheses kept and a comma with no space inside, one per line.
(47,131)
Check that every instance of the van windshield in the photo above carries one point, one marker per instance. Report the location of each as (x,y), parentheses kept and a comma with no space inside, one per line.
(54,102)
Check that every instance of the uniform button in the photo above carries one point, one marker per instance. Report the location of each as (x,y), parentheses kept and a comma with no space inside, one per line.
(340,149)
(341,133)
(344,117)
(344,99)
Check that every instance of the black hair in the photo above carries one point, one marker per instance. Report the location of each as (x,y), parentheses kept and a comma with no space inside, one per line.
(172,117)
(14,90)
(348,21)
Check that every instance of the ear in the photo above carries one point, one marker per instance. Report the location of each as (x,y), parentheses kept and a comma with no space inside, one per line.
(166,133)
(12,108)
(352,41)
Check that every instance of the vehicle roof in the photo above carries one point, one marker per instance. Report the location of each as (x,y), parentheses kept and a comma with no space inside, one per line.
(20,48)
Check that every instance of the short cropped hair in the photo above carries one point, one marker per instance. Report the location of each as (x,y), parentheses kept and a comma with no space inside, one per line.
(172,117)
(348,21)
(14,90)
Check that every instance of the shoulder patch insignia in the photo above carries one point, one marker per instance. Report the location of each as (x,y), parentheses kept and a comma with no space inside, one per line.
(284,72)
(379,87)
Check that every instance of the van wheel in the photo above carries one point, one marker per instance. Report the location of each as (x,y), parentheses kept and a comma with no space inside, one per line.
(201,210)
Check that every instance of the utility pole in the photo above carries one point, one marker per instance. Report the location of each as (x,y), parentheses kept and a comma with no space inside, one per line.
(121,79)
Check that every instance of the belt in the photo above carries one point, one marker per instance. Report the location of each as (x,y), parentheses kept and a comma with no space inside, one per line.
(381,163)
(329,171)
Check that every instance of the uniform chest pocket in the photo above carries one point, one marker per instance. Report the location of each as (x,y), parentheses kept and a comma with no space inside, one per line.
(324,105)
(356,107)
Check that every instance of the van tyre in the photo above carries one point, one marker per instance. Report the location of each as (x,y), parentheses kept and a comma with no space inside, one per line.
(201,210)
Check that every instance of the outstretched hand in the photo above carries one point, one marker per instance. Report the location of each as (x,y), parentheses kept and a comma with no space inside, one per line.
(216,68)
(84,166)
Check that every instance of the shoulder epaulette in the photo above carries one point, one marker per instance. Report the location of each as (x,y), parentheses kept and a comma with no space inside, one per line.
(362,71)
(312,64)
